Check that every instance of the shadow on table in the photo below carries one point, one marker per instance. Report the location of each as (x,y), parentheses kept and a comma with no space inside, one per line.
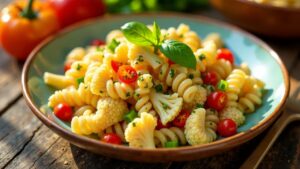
(231,159)
(88,160)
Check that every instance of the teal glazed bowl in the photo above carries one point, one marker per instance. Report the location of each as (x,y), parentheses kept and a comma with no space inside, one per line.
(263,61)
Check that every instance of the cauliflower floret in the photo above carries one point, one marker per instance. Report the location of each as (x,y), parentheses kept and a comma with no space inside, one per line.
(234,114)
(195,129)
(145,81)
(140,132)
(167,106)
(139,54)
(199,98)
(109,111)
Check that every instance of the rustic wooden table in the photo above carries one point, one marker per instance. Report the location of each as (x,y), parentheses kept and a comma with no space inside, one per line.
(26,143)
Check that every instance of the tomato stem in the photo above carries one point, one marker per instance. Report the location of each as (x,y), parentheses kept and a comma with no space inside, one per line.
(28,11)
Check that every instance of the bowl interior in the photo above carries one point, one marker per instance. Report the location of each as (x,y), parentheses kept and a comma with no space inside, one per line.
(51,56)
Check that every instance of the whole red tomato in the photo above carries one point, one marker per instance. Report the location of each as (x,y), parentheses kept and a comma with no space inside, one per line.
(71,11)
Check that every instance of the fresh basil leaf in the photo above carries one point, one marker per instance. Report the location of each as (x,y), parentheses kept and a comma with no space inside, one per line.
(138,33)
(113,44)
(178,52)
(156,33)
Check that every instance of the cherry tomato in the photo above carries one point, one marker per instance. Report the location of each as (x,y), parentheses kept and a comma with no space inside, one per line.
(71,11)
(210,78)
(112,138)
(225,54)
(127,74)
(170,62)
(63,111)
(115,65)
(67,66)
(180,120)
(160,125)
(227,127)
(216,100)
(97,42)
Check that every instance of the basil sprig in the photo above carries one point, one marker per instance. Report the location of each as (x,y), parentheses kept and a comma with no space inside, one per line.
(139,34)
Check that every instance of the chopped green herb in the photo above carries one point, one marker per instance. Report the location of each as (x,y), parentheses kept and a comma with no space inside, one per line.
(172,73)
(222,85)
(202,57)
(139,73)
(127,94)
(113,44)
(140,58)
(171,144)
(165,106)
(157,61)
(181,36)
(159,88)
(210,88)
(191,76)
(141,78)
(78,67)
(199,105)
(133,124)
(80,80)
(130,116)
(137,95)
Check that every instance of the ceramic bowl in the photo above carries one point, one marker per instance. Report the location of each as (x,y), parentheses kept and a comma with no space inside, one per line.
(282,22)
(263,61)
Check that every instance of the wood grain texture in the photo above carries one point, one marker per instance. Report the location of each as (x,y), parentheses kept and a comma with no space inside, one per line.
(10,87)
(26,143)
(17,128)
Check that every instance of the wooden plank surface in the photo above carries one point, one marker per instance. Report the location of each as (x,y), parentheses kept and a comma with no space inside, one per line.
(10,87)
(26,143)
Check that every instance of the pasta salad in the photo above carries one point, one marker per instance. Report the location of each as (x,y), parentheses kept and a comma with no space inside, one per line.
(148,87)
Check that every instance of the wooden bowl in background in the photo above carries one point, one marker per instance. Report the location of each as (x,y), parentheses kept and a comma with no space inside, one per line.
(282,22)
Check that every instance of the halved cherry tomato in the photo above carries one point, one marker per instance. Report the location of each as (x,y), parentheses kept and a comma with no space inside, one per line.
(180,120)
(112,138)
(160,125)
(170,62)
(210,78)
(225,54)
(63,111)
(115,65)
(216,100)
(67,66)
(227,127)
(127,74)
(97,42)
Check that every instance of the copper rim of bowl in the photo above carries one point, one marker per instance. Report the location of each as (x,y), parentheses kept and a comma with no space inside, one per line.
(269,6)
(222,144)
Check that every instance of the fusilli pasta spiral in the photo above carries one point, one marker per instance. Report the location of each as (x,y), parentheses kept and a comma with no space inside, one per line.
(169,134)
(118,128)
(180,83)
(235,80)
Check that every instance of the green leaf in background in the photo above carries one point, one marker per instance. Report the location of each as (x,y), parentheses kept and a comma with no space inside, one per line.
(156,33)
(179,53)
(138,33)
